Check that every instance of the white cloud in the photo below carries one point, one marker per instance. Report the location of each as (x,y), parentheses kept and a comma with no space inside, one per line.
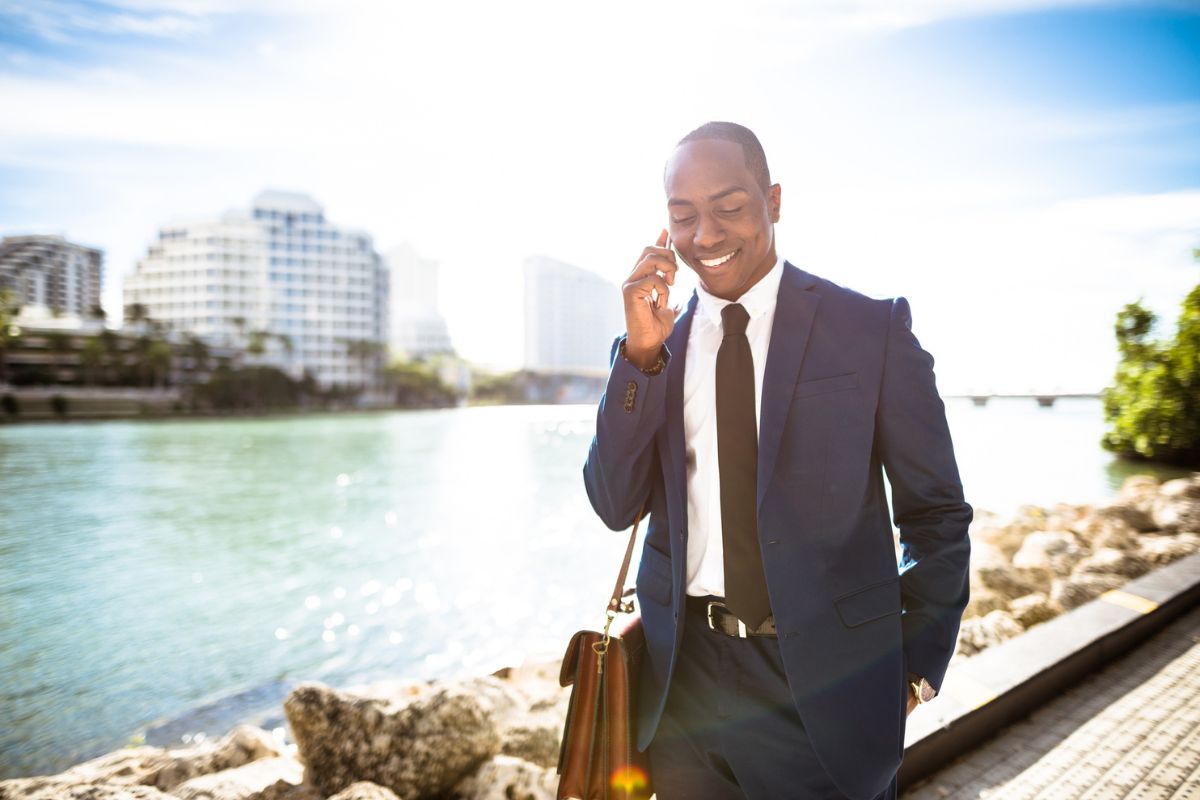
(485,132)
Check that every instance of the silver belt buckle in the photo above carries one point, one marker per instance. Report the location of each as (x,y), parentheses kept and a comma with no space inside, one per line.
(741,625)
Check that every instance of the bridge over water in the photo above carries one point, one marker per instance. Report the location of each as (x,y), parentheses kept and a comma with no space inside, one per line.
(1044,400)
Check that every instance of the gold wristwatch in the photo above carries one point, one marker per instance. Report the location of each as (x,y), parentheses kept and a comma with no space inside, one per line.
(922,689)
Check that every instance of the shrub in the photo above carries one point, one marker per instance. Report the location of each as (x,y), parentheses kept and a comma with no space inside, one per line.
(1153,406)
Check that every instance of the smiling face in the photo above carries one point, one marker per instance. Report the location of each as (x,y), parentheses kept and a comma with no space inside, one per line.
(722,219)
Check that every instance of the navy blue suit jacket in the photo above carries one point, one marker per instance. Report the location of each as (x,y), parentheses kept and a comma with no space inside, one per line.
(848,393)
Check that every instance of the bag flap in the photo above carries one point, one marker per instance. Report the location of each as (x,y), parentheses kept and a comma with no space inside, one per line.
(570,662)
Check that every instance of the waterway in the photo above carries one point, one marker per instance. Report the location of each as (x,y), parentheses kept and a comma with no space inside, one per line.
(169,579)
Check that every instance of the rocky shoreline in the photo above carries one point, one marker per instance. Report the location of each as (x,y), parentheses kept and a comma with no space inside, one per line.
(497,737)
(1046,561)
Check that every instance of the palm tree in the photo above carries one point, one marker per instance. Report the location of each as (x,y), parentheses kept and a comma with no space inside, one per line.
(91,357)
(60,343)
(9,332)
(157,359)
(137,312)
(110,345)
(197,350)
(366,352)
(257,344)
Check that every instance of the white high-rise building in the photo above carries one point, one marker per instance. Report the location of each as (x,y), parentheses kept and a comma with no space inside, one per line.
(417,327)
(50,272)
(277,277)
(571,317)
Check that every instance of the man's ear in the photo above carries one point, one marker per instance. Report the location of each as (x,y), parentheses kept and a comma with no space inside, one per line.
(773,201)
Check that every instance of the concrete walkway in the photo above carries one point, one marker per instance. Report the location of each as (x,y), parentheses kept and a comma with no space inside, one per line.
(1130,731)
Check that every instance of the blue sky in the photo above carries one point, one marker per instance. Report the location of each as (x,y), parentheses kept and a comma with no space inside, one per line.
(1018,170)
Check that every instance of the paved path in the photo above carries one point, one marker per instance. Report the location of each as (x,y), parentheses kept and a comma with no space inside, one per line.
(1131,731)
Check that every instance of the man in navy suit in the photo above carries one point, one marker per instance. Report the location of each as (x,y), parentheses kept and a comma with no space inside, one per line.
(785,644)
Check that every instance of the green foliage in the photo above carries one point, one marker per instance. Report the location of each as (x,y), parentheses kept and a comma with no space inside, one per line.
(417,385)
(1153,407)
(258,388)
(506,388)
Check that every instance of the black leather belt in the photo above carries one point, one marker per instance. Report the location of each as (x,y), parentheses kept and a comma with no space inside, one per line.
(722,620)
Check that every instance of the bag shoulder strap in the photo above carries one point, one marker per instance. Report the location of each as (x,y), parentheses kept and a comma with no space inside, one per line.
(614,604)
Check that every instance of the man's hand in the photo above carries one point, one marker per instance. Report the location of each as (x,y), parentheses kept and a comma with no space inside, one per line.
(649,320)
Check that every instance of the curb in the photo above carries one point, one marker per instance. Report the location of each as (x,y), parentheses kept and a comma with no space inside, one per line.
(1005,683)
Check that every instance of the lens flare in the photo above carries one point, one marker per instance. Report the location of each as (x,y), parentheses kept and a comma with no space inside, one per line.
(628,779)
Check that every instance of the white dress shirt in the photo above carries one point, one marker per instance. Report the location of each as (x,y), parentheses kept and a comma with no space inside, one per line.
(705,551)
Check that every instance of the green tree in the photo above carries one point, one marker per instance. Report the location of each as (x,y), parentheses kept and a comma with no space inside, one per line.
(60,344)
(91,359)
(9,332)
(197,350)
(256,388)
(1153,406)
(417,385)
(137,312)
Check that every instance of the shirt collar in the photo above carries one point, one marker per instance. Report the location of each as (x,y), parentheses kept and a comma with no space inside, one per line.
(759,299)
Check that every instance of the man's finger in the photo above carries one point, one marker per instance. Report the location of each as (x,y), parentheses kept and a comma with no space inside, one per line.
(651,264)
(662,238)
(641,289)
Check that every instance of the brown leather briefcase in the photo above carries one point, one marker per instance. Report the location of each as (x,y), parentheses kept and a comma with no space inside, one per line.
(599,759)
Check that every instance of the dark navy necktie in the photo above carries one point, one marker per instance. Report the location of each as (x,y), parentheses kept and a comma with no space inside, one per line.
(737,461)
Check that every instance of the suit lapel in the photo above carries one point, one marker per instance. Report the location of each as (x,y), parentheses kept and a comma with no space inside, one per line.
(795,309)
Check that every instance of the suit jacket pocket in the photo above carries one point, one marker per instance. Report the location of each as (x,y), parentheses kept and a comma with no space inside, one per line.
(870,602)
(823,385)
(654,576)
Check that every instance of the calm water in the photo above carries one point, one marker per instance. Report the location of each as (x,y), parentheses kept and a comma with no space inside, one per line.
(173,578)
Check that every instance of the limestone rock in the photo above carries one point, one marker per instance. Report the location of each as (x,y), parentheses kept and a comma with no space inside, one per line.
(1110,532)
(536,738)
(1006,539)
(1079,588)
(1163,549)
(1139,491)
(1012,582)
(1137,518)
(982,601)
(1177,507)
(244,782)
(985,554)
(419,743)
(365,790)
(165,769)
(283,790)
(508,778)
(1117,562)
(1055,551)
(1033,609)
(529,709)
(979,633)
(57,787)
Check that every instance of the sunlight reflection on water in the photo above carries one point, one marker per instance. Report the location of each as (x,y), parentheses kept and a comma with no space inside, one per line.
(343,549)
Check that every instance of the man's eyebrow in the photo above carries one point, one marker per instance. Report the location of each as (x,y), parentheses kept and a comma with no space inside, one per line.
(712,198)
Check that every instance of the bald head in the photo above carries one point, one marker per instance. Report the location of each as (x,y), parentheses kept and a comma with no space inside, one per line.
(752,151)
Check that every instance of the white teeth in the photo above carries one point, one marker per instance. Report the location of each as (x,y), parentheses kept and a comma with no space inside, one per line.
(716,262)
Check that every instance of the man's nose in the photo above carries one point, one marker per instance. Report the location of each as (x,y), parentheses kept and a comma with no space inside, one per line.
(709,233)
